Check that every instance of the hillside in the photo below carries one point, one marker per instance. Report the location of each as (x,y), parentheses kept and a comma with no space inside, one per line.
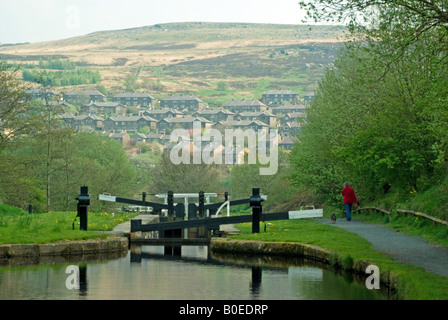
(195,57)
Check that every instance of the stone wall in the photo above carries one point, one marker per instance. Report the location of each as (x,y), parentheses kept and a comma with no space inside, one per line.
(291,249)
(64,248)
(271,248)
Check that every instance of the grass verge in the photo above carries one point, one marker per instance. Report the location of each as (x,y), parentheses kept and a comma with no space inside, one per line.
(17,227)
(410,282)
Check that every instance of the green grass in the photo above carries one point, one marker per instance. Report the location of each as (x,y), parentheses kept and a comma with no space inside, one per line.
(20,227)
(431,200)
(413,225)
(412,283)
(10,210)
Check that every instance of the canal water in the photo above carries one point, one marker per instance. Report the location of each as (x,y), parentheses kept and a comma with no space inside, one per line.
(177,273)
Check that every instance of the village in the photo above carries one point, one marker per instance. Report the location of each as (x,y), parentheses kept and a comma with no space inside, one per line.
(132,117)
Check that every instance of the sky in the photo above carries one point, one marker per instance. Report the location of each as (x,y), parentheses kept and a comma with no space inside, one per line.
(44,20)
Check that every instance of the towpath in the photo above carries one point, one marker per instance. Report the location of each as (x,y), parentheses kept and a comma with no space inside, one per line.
(402,248)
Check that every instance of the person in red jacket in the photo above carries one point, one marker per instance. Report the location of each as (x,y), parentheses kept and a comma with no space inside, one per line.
(349,199)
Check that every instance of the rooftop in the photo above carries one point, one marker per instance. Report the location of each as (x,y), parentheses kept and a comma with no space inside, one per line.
(133,95)
(280,92)
(236,103)
(182,98)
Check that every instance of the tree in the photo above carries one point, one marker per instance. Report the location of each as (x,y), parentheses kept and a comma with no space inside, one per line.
(75,159)
(18,185)
(377,119)
(49,130)
(100,163)
(14,106)
(222,86)
(398,25)
(130,82)
(377,129)
(380,14)
(185,178)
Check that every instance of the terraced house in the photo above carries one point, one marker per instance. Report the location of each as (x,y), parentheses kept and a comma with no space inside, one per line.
(166,125)
(82,122)
(160,114)
(41,94)
(188,103)
(280,97)
(102,108)
(290,129)
(242,124)
(308,98)
(264,117)
(215,115)
(134,99)
(292,117)
(238,106)
(84,96)
(129,123)
(284,109)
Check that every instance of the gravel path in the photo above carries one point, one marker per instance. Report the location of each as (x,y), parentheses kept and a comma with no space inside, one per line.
(402,248)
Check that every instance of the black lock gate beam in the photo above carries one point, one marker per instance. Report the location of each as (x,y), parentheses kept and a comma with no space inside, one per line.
(214,223)
(157,207)
(179,207)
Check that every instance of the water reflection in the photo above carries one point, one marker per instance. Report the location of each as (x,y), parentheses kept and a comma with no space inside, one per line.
(255,284)
(82,280)
(181,273)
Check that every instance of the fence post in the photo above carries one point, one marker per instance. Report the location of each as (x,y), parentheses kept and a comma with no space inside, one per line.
(201,203)
(170,203)
(144,198)
(136,225)
(255,203)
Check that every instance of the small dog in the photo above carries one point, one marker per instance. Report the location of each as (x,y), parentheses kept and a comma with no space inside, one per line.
(333,218)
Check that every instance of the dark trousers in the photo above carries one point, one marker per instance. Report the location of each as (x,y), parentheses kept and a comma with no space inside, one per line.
(348,211)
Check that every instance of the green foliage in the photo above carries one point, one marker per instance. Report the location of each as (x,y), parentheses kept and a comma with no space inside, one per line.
(57,64)
(130,83)
(410,19)
(57,226)
(62,78)
(185,178)
(277,187)
(13,105)
(10,210)
(347,263)
(48,170)
(379,117)
(222,85)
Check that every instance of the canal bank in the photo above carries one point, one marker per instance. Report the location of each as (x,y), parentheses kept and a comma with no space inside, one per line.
(393,276)
(35,250)
(295,249)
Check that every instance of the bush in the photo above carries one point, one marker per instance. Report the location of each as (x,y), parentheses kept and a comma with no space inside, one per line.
(62,78)
(10,210)
(347,263)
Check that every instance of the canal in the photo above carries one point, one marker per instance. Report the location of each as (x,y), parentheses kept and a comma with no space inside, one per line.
(178,273)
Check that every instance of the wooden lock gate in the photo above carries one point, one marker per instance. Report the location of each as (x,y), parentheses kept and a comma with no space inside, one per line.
(210,223)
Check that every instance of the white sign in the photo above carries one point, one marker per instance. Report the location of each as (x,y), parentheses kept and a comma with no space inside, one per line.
(104,197)
(302,214)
